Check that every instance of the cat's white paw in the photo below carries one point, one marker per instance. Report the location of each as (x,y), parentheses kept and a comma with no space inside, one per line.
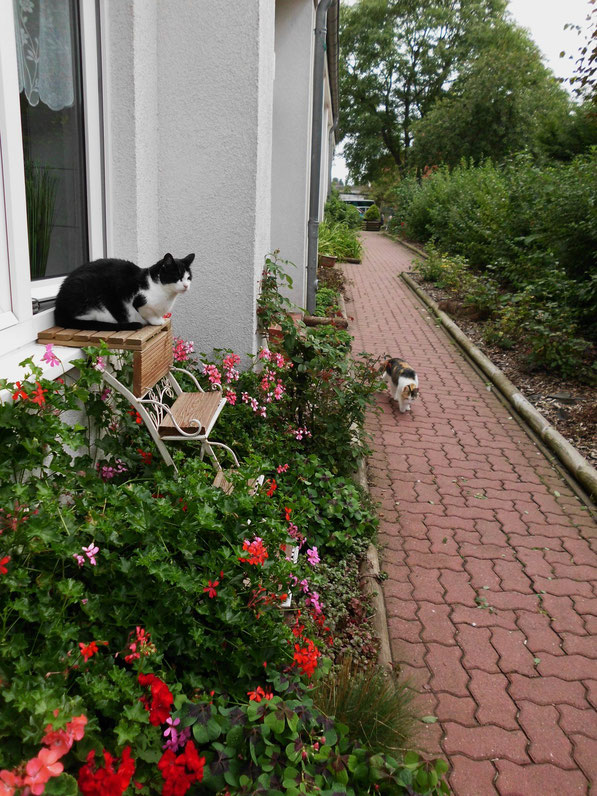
(155,321)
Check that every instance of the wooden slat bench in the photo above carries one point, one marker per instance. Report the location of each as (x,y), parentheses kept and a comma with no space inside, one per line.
(169,413)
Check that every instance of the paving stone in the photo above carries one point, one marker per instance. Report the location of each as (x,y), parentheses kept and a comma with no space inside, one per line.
(581,645)
(478,651)
(459,709)
(514,653)
(539,633)
(567,667)
(512,577)
(495,705)
(564,617)
(547,691)
(436,623)
(448,673)
(426,585)
(576,720)
(548,743)
(458,589)
(471,777)
(482,573)
(485,743)
(538,780)
(585,754)
(479,617)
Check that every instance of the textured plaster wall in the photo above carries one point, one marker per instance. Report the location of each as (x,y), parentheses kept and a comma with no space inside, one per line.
(295,20)
(128,37)
(189,99)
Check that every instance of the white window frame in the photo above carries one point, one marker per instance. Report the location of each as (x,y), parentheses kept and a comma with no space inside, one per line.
(19,326)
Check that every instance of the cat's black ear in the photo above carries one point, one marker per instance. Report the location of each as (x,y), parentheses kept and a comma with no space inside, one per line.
(188,259)
(168,259)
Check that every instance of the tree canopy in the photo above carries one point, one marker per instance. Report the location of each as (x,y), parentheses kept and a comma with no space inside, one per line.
(399,58)
(499,103)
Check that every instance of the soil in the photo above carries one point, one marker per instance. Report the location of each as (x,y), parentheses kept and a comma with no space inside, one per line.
(571,407)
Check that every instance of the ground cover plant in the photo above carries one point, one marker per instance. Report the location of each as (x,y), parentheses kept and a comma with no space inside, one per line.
(143,643)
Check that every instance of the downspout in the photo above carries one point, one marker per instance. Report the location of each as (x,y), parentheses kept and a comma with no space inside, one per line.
(316,139)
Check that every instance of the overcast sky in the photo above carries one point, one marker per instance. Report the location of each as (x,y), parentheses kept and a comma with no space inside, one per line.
(545,20)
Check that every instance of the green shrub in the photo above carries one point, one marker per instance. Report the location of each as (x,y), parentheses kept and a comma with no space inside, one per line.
(339,212)
(372,213)
(339,240)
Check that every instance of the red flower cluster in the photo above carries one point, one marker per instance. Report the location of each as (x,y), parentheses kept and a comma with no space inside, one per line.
(161,699)
(256,550)
(140,645)
(36,397)
(306,657)
(146,456)
(258,694)
(133,413)
(179,772)
(88,650)
(272,486)
(105,781)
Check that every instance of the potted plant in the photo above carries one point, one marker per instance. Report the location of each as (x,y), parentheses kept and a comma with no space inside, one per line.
(40,192)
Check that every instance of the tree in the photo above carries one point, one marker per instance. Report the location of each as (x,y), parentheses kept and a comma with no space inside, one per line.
(584,80)
(399,57)
(499,103)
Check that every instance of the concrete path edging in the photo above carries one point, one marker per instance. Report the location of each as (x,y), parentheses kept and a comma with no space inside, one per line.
(578,466)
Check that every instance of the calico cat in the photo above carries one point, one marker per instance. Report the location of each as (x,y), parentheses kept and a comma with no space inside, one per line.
(402,382)
(116,294)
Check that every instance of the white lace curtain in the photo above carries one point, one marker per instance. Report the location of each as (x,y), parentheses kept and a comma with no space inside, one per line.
(44,52)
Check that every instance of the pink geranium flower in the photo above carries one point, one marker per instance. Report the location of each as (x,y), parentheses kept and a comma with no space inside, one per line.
(50,357)
(91,551)
(42,768)
(313,556)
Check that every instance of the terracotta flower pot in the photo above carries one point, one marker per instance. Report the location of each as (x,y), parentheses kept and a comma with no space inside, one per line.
(326,260)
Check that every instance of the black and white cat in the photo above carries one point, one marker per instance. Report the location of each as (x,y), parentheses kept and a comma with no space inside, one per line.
(116,294)
(402,382)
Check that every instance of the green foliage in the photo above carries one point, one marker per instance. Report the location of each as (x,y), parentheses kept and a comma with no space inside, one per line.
(497,105)
(397,56)
(372,213)
(272,306)
(326,302)
(339,240)
(341,212)
(371,701)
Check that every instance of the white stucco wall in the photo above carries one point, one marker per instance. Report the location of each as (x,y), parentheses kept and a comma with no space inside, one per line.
(293,107)
(188,102)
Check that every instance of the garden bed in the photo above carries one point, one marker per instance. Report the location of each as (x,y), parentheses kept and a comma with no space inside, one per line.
(145,643)
(569,405)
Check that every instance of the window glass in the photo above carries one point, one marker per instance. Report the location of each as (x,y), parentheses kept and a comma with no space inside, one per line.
(50,84)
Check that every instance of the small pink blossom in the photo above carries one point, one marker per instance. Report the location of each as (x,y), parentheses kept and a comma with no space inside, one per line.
(79,559)
(182,349)
(91,551)
(282,468)
(107,392)
(292,579)
(264,354)
(313,601)
(50,357)
(229,366)
(304,584)
(213,374)
(230,396)
(313,556)
(100,364)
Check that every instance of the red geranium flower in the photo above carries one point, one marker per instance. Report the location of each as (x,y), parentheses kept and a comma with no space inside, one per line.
(19,393)
(105,781)
(180,772)
(88,650)
(37,396)
(211,589)
(3,562)
(272,488)
(161,699)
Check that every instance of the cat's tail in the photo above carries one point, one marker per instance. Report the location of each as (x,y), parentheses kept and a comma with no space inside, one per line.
(93,326)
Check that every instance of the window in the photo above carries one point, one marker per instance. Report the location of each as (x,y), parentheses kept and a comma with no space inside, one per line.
(51,199)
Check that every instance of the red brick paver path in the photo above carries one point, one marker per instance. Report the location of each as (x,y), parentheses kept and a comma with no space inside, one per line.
(491,561)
